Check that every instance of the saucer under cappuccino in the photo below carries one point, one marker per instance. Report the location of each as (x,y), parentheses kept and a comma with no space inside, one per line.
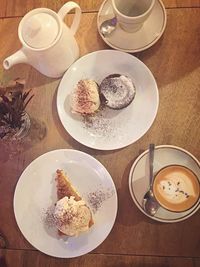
(176,188)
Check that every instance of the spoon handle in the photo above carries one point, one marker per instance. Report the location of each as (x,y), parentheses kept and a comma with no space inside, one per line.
(114,21)
(151,158)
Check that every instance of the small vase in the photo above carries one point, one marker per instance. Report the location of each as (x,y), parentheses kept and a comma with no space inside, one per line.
(12,143)
(24,129)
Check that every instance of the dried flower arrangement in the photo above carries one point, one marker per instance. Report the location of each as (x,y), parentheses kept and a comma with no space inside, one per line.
(13,102)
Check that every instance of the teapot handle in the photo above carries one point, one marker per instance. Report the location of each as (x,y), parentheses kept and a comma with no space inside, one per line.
(66,8)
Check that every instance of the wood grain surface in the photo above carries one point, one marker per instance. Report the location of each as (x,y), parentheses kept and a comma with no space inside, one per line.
(174,61)
(15,8)
(35,258)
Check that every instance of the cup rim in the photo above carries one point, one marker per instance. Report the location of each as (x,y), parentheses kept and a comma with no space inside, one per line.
(179,165)
(133,17)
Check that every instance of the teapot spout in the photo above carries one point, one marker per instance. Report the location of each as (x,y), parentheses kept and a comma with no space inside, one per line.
(18,57)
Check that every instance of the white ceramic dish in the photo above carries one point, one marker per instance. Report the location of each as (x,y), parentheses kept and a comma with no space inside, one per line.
(147,36)
(36,192)
(112,129)
(139,181)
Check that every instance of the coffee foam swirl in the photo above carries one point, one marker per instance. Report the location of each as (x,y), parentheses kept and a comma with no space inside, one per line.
(176,188)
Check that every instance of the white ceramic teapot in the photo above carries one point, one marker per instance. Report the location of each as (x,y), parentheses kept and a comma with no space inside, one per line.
(47,43)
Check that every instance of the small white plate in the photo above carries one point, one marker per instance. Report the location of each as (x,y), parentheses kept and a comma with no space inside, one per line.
(139,178)
(111,129)
(36,192)
(147,36)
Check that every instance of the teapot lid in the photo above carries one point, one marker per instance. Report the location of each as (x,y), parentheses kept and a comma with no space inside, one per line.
(40,30)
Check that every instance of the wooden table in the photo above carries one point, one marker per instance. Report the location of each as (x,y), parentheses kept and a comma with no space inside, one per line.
(174,61)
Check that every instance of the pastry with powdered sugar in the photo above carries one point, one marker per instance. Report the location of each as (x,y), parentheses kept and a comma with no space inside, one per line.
(118,91)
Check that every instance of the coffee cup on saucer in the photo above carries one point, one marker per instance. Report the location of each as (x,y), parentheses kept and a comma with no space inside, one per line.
(131,14)
(176,188)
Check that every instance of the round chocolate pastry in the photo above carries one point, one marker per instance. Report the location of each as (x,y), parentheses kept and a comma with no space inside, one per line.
(118,91)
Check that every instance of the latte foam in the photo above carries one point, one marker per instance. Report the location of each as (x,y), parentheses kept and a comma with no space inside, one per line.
(176,188)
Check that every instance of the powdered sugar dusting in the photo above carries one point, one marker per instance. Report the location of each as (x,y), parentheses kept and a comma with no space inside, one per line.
(48,217)
(103,123)
(118,90)
(97,197)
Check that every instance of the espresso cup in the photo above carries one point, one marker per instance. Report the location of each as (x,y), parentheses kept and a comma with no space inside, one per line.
(176,188)
(131,14)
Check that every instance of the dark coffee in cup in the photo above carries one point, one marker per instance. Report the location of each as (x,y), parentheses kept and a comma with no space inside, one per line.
(176,188)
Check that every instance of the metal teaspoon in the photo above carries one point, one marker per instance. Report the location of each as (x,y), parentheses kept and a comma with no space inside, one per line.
(108,26)
(150,205)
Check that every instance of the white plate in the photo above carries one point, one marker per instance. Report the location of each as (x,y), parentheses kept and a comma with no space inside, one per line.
(36,192)
(147,36)
(139,178)
(112,129)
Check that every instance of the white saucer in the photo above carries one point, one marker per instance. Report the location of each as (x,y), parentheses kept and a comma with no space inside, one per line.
(110,129)
(139,178)
(36,192)
(147,36)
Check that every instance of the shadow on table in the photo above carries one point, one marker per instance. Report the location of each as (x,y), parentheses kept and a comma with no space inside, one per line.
(128,213)
(33,78)
(10,148)
(3,262)
(174,55)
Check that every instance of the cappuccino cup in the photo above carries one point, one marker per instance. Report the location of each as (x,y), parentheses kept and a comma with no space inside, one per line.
(131,14)
(176,188)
